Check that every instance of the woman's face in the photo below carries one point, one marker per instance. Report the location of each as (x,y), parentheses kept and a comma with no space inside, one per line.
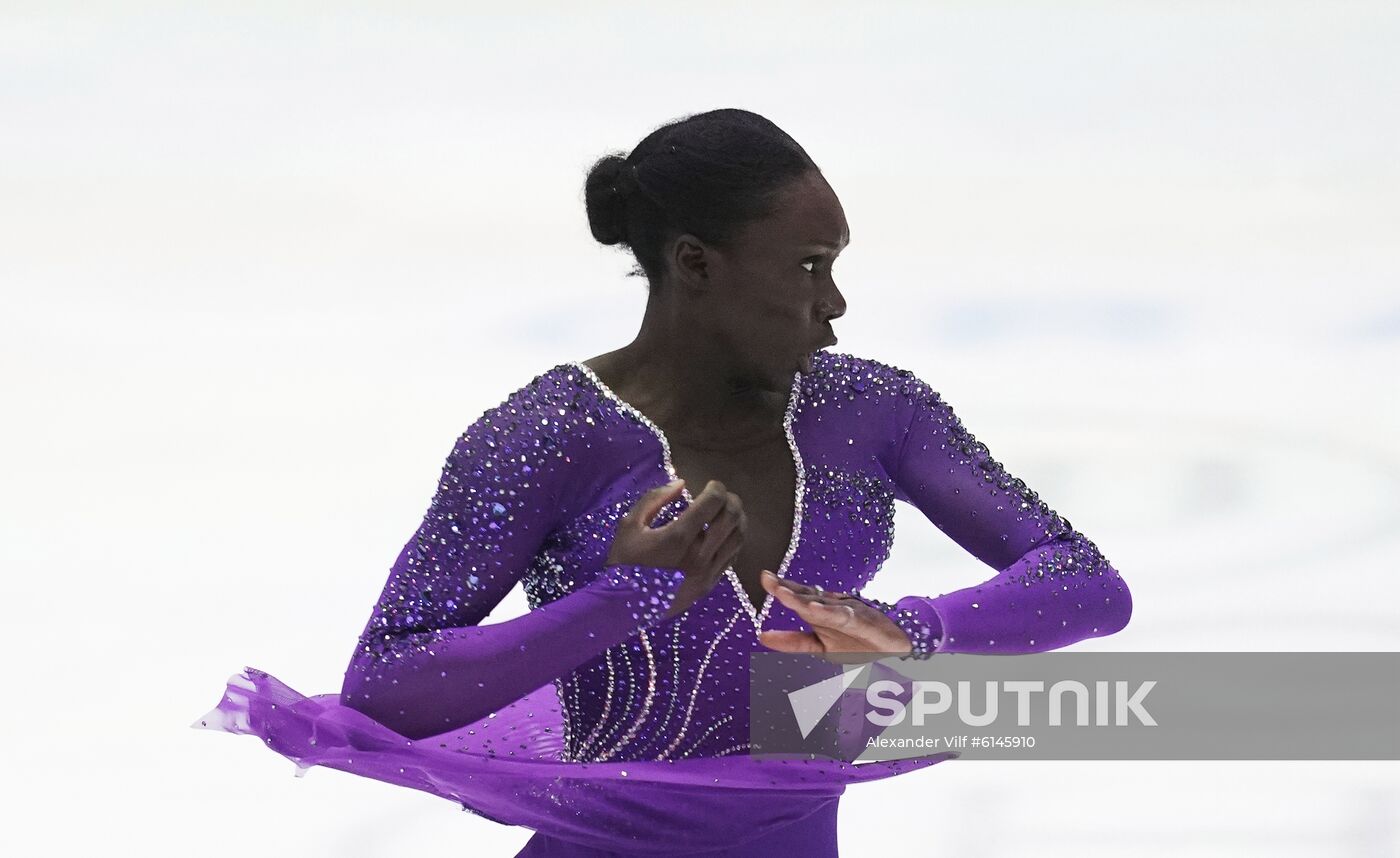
(768,298)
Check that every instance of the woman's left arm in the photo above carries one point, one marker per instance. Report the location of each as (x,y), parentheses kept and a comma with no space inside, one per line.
(1053,588)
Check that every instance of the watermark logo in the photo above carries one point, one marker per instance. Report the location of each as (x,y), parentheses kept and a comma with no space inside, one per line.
(811,704)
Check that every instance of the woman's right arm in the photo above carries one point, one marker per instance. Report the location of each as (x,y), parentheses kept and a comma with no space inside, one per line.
(423,665)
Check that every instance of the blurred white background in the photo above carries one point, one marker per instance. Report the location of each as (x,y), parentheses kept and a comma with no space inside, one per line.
(263,262)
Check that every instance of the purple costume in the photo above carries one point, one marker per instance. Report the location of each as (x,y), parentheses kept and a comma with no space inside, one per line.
(606,727)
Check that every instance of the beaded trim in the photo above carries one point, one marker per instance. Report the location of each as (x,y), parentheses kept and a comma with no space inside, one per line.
(923,644)
(758,616)
(919,632)
(648,609)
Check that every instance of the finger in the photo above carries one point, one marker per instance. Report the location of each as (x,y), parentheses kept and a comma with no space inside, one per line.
(703,507)
(798,586)
(797,601)
(815,612)
(770,582)
(714,532)
(791,641)
(841,616)
(645,510)
(715,536)
(831,614)
(775,585)
(688,531)
(725,556)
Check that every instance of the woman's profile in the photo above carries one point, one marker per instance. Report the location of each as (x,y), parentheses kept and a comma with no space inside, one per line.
(724,484)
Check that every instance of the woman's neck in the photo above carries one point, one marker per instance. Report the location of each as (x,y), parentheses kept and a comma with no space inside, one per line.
(696,398)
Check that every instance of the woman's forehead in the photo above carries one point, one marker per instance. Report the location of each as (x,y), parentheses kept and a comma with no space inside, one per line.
(807,213)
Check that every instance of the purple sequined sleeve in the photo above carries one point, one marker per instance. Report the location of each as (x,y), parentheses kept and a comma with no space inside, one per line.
(1054,586)
(423,664)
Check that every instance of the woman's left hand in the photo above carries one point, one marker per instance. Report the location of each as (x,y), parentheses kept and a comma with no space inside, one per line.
(841,624)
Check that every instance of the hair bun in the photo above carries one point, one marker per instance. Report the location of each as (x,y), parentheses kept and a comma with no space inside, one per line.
(610,183)
(708,174)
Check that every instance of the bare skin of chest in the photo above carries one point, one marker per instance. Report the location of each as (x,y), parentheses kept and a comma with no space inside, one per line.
(763,475)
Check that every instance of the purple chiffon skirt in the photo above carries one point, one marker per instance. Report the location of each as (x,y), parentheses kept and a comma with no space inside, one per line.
(509,768)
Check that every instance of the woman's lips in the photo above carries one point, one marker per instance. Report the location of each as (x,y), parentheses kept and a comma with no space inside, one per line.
(805,361)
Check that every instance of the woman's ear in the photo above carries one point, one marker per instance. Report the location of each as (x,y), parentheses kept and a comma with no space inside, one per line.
(690,261)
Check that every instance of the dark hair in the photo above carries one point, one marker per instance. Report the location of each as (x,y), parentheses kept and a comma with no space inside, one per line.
(707,174)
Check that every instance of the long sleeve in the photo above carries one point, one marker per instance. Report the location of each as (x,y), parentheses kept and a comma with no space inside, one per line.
(423,664)
(1053,586)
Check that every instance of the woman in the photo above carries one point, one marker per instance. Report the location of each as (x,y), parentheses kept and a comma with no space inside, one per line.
(613,717)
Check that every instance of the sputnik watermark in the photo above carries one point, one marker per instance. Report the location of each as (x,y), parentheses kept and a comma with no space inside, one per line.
(1198,706)
(888,711)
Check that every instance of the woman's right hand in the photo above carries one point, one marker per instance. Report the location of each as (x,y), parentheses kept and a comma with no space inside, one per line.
(702,541)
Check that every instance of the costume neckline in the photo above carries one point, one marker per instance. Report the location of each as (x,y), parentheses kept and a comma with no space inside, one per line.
(757,615)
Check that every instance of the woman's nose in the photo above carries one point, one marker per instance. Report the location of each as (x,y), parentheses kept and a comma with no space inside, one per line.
(832,307)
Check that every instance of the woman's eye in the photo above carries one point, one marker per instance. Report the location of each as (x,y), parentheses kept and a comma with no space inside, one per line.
(810,266)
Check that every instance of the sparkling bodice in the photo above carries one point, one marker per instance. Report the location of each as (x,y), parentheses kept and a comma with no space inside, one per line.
(681,688)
